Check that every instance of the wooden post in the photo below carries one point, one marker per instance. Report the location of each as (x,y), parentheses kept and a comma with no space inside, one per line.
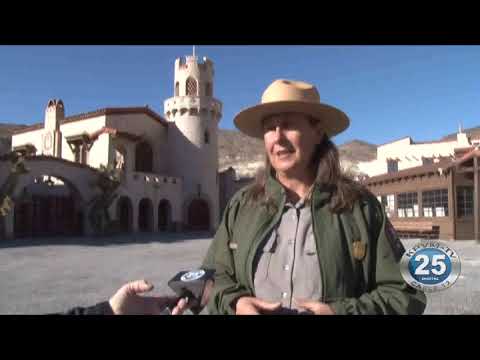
(452,208)
(420,203)
(395,205)
(475,199)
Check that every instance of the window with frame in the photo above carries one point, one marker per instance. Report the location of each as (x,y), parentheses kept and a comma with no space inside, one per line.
(427,160)
(388,202)
(407,204)
(392,166)
(435,203)
(80,152)
(464,201)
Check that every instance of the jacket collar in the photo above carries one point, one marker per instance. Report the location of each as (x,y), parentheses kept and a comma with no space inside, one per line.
(275,191)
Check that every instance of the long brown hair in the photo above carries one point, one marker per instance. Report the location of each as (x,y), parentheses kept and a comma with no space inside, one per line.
(344,190)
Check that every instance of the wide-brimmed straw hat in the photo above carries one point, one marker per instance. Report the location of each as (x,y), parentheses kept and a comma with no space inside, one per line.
(289,96)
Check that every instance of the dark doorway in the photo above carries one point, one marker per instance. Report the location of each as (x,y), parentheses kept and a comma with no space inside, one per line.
(48,207)
(199,215)
(125,214)
(145,215)
(164,215)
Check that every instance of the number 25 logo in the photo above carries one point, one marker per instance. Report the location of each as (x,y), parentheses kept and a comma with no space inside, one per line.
(437,261)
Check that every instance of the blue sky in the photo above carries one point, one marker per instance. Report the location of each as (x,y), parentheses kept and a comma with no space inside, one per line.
(388,91)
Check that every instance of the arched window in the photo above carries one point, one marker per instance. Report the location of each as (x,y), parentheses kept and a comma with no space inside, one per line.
(143,157)
(206,137)
(177,88)
(191,87)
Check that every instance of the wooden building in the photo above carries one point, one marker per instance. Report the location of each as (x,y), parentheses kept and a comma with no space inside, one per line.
(439,200)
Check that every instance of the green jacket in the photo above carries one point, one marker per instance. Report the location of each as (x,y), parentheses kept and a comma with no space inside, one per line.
(356,279)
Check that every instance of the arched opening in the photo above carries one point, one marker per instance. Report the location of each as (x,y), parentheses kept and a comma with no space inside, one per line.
(145,215)
(191,87)
(164,215)
(206,137)
(177,89)
(125,214)
(143,157)
(199,215)
(49,206)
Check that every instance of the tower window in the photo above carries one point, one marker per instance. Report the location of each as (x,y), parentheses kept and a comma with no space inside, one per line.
(177,88)
(191,87)
(206,137)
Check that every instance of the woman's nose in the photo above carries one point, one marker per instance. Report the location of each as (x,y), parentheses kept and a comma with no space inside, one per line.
(278,132)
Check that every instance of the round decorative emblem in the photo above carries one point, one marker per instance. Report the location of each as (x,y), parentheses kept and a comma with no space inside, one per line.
(192,275)
(430,266)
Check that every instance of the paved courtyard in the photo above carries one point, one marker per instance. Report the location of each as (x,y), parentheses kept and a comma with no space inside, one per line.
(52,275)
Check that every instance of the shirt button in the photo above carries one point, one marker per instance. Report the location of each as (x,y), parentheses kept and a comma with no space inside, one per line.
(290,242)
(286,267)
(284,295)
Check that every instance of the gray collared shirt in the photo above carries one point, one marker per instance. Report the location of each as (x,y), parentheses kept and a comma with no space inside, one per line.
(287,264)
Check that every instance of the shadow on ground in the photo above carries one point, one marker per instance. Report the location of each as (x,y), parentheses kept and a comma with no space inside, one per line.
(101,240)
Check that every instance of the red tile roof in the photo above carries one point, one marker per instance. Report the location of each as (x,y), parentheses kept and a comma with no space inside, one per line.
(101,112)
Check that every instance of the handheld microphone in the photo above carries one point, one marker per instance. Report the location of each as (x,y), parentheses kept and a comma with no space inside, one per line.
(195,285)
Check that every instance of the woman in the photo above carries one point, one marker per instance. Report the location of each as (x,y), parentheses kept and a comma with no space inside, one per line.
(304,238)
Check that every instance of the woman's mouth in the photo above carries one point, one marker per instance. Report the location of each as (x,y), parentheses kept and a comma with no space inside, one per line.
(283,153)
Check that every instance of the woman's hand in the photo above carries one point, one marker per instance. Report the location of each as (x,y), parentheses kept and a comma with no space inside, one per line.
(128,301)
(315,307)
(249,305)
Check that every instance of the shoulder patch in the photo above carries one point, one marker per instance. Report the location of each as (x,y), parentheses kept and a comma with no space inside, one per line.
(394,240)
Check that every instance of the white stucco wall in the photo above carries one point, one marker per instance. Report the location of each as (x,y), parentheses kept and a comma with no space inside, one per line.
(32,137)
(410,154)
(99,152)
(154,132)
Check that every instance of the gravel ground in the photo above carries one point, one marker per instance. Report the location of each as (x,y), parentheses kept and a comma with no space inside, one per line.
(41,276)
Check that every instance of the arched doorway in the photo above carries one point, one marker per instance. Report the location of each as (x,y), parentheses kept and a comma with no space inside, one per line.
(164,215)
(145,215)
(49,206)
(143,157)
(125,214)
(199,215)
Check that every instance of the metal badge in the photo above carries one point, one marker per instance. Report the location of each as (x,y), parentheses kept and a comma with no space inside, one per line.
(359,250)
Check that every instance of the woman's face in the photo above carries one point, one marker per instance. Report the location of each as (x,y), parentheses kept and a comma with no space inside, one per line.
(290,141)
